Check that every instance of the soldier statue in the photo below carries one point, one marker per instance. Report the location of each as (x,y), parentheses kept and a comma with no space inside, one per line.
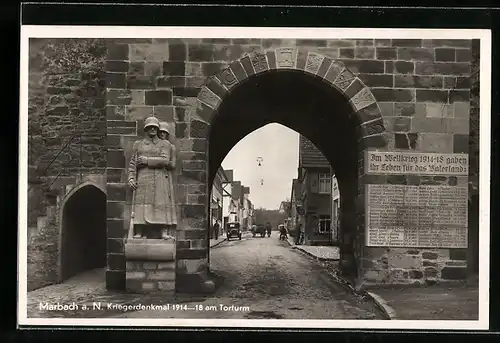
(151,156)
(164,134)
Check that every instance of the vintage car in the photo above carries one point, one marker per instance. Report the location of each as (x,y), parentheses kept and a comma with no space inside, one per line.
(233,230)
(259,229)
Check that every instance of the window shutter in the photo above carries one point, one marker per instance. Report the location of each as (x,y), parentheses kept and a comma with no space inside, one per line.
(314,182)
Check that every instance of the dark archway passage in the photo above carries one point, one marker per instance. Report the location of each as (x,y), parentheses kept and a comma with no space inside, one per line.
(299,101)
(309,106)
(83,233)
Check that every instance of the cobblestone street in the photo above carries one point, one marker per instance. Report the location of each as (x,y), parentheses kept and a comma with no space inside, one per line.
(83,289)
(265,278)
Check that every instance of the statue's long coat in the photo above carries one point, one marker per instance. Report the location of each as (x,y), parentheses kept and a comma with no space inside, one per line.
(154,199)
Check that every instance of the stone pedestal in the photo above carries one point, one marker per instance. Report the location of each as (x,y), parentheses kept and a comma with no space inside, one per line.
(150,265)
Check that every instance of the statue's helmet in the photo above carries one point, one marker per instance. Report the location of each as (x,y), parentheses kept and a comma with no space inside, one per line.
(164,127)
(151,121)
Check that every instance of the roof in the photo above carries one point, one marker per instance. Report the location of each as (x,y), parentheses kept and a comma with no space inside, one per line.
(229,174)
(236,190)
(310,155)
(220,178)
(222,174)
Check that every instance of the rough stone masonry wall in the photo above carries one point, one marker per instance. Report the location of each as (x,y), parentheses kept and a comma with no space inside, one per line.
(43,253)
(422,87)
(65,96)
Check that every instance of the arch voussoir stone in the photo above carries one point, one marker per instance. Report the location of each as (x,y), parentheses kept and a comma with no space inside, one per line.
(227,77)
(286,57)
(354,88)
(209,98)
(198,128)
(271,59)
(238,71)
(246,62)
(302,54)
(369,112)
(202,111)
(324,67)
(207,103)
(343,80)
(364,98)
(259,62)
(333,72)
(313,62)
(374,127)
(217,87)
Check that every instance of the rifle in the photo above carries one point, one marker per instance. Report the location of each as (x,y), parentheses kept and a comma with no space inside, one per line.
(132,213)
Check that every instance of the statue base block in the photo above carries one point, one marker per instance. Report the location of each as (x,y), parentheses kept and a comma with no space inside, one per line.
(149,249)
(150,265)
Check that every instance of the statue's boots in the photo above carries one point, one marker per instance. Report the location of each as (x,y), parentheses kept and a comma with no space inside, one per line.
(166,235)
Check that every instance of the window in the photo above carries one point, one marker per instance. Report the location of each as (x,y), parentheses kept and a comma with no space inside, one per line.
(324,224)
(324,183)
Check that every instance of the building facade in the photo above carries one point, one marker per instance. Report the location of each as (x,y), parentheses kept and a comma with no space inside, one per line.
(335,213)
(237,206)
(217,200)
(294,207)
(227,197)
(315,194)
(247,210)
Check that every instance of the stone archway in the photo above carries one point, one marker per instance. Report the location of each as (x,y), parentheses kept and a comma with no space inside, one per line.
(357,111)
(82,230)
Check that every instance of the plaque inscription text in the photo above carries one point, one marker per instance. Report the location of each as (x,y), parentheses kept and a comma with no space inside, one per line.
(417,163)
(416,216)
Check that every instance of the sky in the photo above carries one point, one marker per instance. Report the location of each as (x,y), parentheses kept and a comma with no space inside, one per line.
(278,146)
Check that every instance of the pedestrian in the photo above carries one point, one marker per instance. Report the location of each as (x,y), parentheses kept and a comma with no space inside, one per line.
(216,230)
(283,234)
(302,235)
(268,229)
(298,233)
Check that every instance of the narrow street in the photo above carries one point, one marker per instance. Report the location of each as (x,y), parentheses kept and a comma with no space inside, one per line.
(265,278)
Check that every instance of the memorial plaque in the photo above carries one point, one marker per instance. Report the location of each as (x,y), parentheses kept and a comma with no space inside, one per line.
(416,163)
(416,216)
